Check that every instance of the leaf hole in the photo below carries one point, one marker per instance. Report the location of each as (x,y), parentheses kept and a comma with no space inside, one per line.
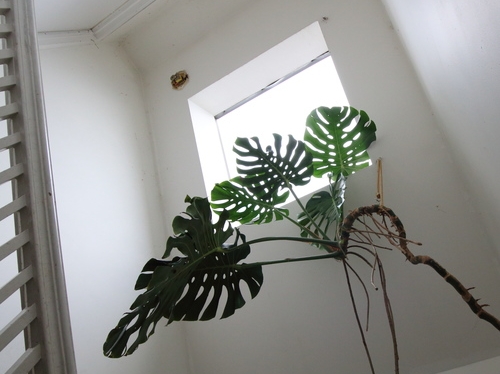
(347,144)
(353,124)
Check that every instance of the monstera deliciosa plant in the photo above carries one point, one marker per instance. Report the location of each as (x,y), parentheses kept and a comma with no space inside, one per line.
(205,281)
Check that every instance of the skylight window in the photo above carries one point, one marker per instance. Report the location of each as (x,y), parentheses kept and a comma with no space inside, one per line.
(283,109)
(273,93)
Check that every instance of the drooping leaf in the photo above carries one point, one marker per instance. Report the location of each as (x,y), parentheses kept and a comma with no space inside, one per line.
(338,138)
(243,207)
(323,208)
(266,172)
(188,288)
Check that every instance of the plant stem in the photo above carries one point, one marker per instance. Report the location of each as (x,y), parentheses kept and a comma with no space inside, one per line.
(390,316)
(291,238)
(367,351)
(286,260)
(290,188)
(306,212)
(311,233)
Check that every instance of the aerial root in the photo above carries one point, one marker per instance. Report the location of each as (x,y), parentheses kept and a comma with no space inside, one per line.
(399,241)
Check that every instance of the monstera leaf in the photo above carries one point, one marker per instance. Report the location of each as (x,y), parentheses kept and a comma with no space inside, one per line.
(338,138)
(266,172)
(188,288)
(243,207)
(324,208)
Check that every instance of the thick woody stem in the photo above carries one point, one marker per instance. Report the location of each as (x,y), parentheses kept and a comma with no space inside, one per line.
(426,260)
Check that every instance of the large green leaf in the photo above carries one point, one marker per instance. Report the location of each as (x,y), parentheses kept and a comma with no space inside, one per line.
(266,172)
(323,208)
(338,138)
(243,207)
(191,287)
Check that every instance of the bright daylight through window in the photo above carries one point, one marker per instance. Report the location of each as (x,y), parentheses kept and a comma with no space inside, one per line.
(283,110)
(246,102)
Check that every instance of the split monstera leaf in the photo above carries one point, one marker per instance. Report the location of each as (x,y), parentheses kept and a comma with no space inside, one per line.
(191,287)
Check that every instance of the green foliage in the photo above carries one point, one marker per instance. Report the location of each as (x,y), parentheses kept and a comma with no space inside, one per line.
(338,138)
(323,209)
(188,288)
(191,287)
(266,172)
(243,207)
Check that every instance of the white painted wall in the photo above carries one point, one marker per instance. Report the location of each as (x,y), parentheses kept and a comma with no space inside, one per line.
(301,321)
(455,47)
(108,201)
(484,367)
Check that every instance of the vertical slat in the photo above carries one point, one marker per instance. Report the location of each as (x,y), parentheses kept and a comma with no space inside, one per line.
(17,325)
(26,362)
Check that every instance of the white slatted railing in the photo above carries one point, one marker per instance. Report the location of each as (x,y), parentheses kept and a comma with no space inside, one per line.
(35,336)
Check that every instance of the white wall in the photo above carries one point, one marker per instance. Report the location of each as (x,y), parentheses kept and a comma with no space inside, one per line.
(108,201)
(484,367)
(301,321)
(455,47)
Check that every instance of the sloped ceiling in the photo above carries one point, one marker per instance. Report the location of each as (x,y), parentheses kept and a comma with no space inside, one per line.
(455,48)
